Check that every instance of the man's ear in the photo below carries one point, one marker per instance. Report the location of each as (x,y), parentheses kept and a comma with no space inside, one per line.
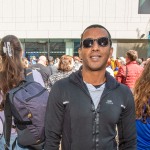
(80,53)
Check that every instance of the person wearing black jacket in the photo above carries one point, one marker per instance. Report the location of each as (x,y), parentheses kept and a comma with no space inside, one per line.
(43,69)
(84,109)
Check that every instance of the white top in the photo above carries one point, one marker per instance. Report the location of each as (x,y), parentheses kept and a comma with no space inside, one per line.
(95,93)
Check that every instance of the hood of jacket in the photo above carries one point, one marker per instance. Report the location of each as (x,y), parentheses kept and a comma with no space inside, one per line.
(111,82)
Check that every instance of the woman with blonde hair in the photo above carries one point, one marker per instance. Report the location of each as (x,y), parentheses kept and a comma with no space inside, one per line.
(129,73)
(142,107)
(65,68)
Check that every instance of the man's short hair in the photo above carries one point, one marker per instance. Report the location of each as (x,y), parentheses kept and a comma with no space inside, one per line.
(132,55)
(42,57)
(50,58)
(96,26)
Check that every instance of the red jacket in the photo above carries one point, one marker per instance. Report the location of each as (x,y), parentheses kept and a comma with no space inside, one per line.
(133,72)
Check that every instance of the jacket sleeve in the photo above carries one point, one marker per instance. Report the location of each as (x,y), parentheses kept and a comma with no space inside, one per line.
(54,119)
(120,74)
(127,125)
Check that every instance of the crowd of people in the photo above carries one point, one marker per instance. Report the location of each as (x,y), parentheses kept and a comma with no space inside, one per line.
(92,98)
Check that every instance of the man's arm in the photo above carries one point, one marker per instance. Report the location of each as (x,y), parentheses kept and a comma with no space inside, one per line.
(120,74)
(54,119)
(127,125)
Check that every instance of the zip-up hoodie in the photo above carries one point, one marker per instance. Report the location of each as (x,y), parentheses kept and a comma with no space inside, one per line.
(71,115)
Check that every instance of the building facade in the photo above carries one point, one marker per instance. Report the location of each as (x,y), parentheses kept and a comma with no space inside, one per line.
(53,27)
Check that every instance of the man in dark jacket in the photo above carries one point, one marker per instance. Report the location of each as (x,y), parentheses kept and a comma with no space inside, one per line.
(84,108)
(51,65)
(42,68)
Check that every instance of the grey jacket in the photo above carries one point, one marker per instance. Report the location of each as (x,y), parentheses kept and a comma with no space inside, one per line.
(71,115)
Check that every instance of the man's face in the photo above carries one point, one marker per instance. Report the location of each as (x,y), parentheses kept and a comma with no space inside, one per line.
(95,57)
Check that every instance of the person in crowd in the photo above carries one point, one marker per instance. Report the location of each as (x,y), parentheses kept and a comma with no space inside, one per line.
(117,65)
(122,61)
(112,61)
(56,62)
(143,64)
(142,107)
(108,67)
(2,141)
(33,60)
(84,108)
(139,61)
(11,73)
(65,68)
(129,73)
(42,68)
(77,62)
(51,65)
(36,74)
(51,60)
(25,62)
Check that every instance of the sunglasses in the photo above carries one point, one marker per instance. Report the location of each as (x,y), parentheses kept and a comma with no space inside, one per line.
(103,42)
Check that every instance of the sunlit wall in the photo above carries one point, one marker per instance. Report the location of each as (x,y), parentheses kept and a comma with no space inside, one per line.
(68,18)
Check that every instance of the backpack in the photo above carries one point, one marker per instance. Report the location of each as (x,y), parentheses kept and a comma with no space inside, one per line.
(36,77)
(27,104)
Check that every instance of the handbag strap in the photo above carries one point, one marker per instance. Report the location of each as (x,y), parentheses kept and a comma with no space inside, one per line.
(126,73)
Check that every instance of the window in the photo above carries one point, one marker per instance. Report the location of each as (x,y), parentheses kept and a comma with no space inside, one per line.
(144,7)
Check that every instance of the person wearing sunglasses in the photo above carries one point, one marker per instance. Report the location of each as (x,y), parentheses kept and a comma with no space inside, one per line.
(84,109)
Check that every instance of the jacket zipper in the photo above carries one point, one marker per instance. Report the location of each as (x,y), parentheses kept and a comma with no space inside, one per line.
(94,111)
(96,115)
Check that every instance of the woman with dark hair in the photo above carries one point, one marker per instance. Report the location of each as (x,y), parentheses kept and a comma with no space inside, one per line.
(11,68)
(11,72)
(142,106)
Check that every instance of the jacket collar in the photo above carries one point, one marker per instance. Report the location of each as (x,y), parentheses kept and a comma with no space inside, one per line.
(131,62)
(76,77)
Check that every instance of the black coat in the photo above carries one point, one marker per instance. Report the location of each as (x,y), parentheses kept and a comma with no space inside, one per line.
(72,115)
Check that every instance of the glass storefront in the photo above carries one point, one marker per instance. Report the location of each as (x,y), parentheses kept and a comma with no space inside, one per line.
(49,47)
(57,48)
(76,47)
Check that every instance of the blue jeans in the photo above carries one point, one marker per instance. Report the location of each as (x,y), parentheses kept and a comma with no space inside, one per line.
(13,137)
